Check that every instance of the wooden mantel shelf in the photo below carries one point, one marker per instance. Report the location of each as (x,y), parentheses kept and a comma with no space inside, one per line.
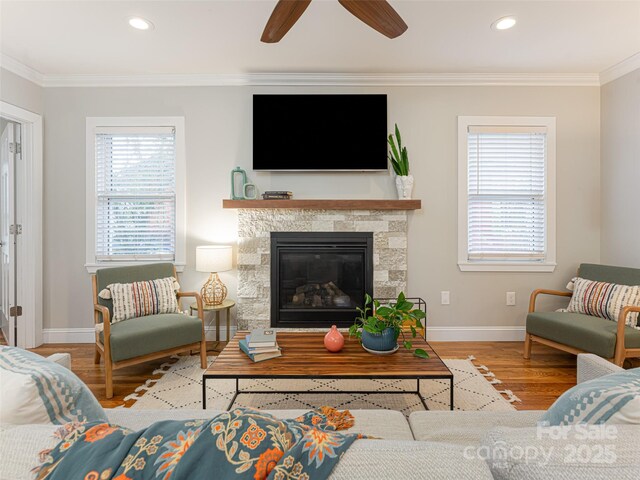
(326,204)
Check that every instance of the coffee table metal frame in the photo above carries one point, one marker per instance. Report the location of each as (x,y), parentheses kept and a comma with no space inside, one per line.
(237,378)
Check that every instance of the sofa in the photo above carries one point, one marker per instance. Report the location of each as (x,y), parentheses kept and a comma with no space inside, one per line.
(434,444)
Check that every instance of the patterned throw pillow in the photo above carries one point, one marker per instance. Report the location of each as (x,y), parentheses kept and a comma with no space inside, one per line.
(613,398)
(138,299)
(605,300)
(34,390)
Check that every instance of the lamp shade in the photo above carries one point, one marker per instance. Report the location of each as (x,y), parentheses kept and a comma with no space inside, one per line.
(214,258)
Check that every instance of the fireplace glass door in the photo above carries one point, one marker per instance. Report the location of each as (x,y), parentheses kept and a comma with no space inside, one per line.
(318,281)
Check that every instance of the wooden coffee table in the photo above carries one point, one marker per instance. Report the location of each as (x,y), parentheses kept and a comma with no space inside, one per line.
(304,357)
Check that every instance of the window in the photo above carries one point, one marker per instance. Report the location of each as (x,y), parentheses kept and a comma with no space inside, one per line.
(135,190)
(506,193)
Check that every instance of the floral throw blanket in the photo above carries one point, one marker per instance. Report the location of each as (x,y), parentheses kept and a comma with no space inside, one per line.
(240,444)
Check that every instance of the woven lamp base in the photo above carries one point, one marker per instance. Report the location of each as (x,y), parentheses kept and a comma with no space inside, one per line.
(213,291)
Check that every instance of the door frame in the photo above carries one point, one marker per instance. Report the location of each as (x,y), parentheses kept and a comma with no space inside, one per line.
(29,189)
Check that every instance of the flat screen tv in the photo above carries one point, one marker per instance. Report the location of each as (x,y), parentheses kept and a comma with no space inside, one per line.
(319,132)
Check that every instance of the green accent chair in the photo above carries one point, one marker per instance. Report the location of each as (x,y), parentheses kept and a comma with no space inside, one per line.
(577,333)
(142,339)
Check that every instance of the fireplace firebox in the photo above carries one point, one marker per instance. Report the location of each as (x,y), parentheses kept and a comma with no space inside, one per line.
(318,279)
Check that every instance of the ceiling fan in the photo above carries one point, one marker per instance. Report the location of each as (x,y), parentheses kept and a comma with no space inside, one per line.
(378,14)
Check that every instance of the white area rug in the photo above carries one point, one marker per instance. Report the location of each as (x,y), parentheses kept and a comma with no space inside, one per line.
(181,387)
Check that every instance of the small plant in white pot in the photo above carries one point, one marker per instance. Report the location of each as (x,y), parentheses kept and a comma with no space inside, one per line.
(399,159)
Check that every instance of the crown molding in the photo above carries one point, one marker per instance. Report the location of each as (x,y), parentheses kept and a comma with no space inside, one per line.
(618,70)
(302,79)
(14,66)
(324,79)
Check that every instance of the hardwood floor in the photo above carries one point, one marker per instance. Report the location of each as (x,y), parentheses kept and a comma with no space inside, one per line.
(537,382)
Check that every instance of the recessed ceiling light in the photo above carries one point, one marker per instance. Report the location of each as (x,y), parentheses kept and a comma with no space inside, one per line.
(140,23)
(504,23)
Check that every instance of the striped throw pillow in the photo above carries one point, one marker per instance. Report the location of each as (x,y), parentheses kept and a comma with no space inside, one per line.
(138,299)
(605,300)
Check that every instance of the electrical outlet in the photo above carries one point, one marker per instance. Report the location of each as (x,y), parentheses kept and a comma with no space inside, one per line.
(511,298)
(444,298)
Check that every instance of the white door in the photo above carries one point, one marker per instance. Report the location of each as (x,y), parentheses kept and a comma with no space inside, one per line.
(7,239)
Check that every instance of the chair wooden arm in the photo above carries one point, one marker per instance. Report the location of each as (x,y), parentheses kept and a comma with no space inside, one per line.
(198,298)
(622,323)
(106,319)
(542,291)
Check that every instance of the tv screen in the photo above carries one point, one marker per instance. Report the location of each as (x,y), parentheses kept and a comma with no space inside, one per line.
(319,132)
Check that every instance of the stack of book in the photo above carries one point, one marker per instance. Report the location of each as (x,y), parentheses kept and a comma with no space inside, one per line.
(260,345)
(277,195)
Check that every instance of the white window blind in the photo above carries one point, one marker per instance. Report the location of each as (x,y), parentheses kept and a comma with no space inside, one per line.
(506,193)
(135,193)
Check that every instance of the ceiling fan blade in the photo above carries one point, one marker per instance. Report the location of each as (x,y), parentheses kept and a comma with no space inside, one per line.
(378,14)
(285,14)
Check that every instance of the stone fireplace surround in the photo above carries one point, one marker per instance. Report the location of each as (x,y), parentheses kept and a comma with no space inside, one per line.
(255,224)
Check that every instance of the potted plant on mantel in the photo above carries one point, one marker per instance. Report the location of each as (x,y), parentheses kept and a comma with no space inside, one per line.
(399,159)
(379,331)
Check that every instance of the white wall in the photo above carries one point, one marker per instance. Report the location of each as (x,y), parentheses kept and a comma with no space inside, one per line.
(218,136)
(620,153)
(20,92)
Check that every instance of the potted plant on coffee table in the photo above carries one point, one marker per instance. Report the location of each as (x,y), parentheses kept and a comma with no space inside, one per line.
(378,328)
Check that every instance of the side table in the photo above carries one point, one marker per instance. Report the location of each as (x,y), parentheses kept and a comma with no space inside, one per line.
(226,305)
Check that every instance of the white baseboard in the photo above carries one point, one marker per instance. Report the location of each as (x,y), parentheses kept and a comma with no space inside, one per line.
(68,335)
(87,335)
(475,334)
(434,334)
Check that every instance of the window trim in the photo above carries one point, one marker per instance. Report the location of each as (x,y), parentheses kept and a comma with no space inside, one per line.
(549,265)
(91,198)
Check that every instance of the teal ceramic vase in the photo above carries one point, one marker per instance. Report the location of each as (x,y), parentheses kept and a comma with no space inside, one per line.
(238,182)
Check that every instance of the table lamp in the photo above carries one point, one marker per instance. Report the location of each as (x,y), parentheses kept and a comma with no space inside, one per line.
(213,259)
